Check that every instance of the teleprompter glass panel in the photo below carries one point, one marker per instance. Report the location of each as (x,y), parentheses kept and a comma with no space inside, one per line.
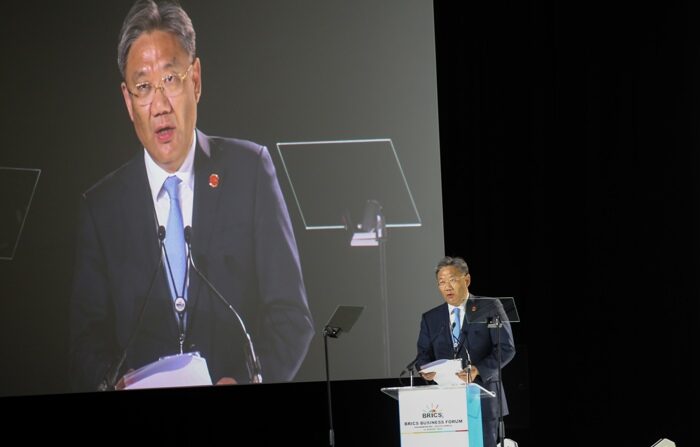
(333,181)
(17,186)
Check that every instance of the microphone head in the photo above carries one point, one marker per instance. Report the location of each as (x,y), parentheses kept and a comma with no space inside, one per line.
(188,234)
(161,233)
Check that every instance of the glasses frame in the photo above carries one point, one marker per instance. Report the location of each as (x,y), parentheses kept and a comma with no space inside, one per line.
(160,85)
(452,282)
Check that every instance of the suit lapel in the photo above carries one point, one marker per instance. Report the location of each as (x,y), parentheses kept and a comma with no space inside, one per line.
(142,229)
(208,178)
(139,213)
(445,323)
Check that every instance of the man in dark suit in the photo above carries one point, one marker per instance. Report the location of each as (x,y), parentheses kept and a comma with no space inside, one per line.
(131,296)
(476,344)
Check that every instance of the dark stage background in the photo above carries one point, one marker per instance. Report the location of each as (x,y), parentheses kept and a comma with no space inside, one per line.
(569,158)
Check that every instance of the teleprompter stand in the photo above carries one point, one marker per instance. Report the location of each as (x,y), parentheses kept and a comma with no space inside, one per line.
(357,186)
(342,320)
(495,313)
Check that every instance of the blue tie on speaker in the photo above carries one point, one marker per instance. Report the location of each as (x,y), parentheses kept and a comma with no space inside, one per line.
(175,241)
(457,326)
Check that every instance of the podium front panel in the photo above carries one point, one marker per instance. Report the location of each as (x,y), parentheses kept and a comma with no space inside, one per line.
(440,416)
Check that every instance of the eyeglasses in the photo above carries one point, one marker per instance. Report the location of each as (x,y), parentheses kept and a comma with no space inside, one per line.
(171,84)
(452,282)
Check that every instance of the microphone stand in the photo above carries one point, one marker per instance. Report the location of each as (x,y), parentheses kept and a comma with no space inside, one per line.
(252,361)
(411,369)
(329,332)
(496,322)
(110,379)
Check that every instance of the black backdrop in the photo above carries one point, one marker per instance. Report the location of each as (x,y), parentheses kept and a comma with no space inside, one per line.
(570,165)
(570,156)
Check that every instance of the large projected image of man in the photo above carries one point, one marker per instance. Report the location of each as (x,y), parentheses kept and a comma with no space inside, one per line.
(218,199)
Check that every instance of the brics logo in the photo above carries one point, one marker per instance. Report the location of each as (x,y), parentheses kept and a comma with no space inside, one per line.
(432,411)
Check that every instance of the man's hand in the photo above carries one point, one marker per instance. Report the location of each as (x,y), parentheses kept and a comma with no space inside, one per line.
(120,385)
(468,374)
(428,376)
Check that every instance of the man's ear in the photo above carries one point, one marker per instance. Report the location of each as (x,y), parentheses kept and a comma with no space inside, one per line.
(197,78)
(127,101)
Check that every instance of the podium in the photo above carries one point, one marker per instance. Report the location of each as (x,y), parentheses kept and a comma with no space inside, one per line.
(440,415)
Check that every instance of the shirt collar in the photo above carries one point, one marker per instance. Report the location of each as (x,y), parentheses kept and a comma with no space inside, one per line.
(157,175)
(462,306)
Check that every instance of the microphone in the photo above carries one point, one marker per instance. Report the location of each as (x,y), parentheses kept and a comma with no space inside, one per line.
(466,349)
(252,361)
(109,381)
(411,365)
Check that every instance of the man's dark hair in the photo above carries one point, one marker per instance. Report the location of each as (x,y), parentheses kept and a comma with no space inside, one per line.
(146,16)
(448,261)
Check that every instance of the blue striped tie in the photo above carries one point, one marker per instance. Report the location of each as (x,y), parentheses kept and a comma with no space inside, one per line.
(457,327)
(175,240)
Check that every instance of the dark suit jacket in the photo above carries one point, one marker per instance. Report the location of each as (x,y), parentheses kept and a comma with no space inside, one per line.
(242,240)
(435,342)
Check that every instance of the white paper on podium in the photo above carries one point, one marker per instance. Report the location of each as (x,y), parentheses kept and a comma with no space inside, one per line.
(445,371)
(173,371)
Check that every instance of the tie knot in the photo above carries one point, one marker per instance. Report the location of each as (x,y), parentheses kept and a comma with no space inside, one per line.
(456,312)
(170,186)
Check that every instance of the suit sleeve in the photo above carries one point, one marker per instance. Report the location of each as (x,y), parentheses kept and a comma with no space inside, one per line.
(91,341)
(286,325)
(426,353)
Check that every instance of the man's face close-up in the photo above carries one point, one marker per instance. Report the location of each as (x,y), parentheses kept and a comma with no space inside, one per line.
(453,285)
(164,126)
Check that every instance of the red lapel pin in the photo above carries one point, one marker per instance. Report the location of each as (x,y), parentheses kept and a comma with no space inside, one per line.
(214,180)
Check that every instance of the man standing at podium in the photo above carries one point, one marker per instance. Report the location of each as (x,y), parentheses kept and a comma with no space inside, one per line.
(185,196)
(447,332)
